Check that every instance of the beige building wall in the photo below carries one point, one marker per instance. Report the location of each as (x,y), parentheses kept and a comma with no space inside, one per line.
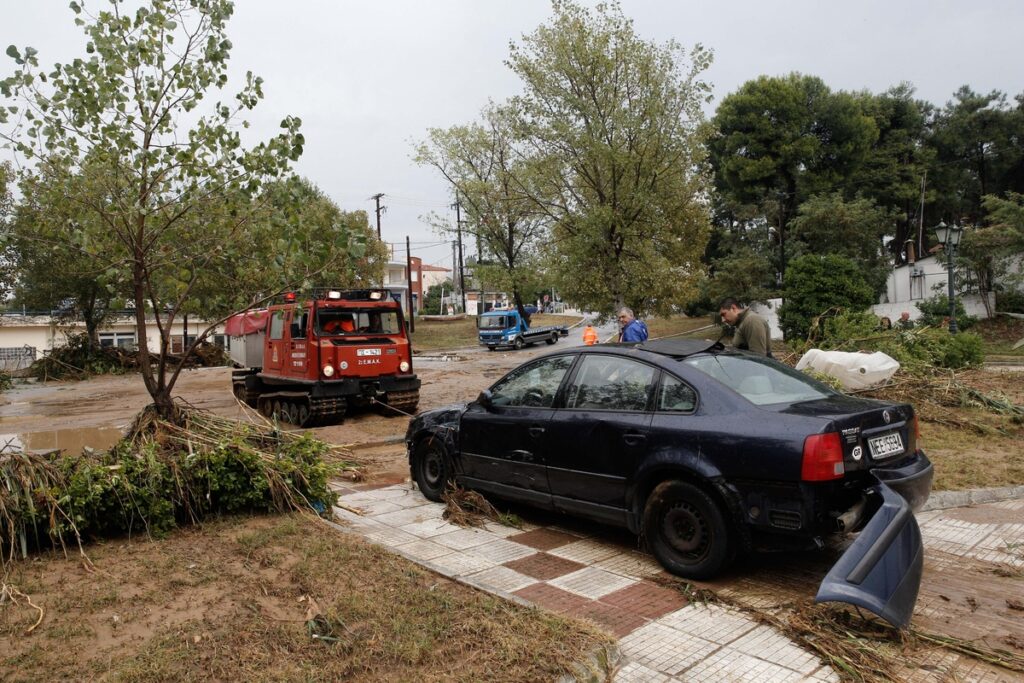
(43,333)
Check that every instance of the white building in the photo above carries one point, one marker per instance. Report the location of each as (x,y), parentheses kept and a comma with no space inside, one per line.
(24,338)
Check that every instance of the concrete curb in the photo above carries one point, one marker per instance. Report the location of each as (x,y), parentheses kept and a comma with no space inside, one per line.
(941,500)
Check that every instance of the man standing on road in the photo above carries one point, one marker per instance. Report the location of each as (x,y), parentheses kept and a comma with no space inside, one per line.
(589,335)
(751,329)
(633,330)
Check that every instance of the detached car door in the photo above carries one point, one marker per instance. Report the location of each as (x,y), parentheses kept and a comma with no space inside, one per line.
(504,444)
(599,437)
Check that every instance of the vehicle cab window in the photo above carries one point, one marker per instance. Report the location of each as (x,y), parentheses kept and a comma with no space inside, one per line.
(610,383)
(533,385)
(277,325)
(675,396)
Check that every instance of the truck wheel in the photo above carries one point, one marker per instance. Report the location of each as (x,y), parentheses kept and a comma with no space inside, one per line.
(430,469)
(686,530)
(552,339)
(518,343)
(302,415)
(275,410)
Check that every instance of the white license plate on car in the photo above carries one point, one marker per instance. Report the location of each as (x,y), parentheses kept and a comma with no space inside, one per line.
(885,446)
(367,352)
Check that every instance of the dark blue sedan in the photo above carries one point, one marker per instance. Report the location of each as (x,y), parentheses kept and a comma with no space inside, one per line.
(704,451)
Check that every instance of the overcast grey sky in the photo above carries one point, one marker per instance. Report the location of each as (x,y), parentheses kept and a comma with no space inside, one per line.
(369,78)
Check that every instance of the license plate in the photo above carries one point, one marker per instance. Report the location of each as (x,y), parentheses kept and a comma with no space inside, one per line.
(367,352)
(885,446)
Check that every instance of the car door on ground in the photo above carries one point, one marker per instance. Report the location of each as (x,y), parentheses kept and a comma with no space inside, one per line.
(599,435)
(503,446)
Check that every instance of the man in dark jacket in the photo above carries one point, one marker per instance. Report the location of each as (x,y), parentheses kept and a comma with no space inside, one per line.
(752,332)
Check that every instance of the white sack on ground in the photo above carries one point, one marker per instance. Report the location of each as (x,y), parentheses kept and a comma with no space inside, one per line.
(853,370)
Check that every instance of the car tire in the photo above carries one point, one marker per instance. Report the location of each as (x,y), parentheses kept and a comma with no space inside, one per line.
(552,339)
(430,469)
(686,530)
(518,343)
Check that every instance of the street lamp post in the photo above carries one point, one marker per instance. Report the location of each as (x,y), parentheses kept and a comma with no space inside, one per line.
(949,238)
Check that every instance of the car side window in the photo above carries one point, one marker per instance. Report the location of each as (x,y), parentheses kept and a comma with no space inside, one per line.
(610,383)
(533,385)
(675,396)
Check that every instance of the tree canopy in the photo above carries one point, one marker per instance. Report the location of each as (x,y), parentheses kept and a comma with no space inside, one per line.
(615,123)
(160,186)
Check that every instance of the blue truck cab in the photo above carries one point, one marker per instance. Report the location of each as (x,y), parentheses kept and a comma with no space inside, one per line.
(507,328)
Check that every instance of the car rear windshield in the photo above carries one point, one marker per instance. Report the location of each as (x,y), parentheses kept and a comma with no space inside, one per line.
(760,381)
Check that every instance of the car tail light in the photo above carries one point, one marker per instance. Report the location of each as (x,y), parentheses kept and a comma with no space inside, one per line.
(823,457)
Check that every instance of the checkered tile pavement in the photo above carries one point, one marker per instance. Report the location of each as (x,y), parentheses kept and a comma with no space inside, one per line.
(662,637)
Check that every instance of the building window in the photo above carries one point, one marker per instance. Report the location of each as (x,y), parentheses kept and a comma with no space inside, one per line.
(125,340)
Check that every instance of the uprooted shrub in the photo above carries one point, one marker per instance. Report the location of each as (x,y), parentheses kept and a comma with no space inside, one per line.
(160,476)
(917,349)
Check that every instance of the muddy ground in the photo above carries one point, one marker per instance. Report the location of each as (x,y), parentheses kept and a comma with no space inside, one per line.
(959,596)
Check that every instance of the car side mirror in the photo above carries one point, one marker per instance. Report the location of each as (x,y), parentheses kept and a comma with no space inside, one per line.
(485,399)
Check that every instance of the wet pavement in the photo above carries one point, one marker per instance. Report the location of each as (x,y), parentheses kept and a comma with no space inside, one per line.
(598,573)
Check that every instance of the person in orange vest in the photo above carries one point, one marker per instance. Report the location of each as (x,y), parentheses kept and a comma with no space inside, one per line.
(589,335)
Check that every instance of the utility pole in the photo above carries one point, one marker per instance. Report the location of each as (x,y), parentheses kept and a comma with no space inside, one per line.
(380,209)
(408,283)
(458,229)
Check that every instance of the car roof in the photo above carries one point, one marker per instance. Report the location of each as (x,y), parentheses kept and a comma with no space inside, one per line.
(679,348)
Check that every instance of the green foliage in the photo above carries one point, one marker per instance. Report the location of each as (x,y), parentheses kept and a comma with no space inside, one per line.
(1010,301)
(787,138)
(432,299)
(814,285)
(487,165)
(828,224)
(745,271)
(935,312)
(150,482)
(918,349)
(150,199)
(614,126)
(6,381)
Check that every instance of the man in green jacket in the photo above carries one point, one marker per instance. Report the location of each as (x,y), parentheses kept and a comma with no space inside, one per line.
(752,332)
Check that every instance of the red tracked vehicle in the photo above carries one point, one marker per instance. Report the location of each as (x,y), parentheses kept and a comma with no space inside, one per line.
(310,361)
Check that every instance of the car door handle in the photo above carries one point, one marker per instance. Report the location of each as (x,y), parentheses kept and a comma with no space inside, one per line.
(633,438)
(536,431)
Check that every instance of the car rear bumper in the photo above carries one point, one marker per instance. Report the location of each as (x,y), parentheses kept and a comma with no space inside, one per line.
(912,480)
(881,570)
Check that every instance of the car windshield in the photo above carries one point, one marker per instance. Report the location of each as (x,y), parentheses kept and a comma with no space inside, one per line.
(354,321)
(496,322)
(760,380)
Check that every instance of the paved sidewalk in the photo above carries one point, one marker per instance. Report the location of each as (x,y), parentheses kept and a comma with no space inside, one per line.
(662,637)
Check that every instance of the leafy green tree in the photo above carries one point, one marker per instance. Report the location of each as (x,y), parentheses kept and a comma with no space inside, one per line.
(745,272)
(827,224)
(896,168)
(817,284)
(171,190)
(488,170)
(614,124)
(432,300)
(977,143)
(992,251)
(51,272)
(780,140)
